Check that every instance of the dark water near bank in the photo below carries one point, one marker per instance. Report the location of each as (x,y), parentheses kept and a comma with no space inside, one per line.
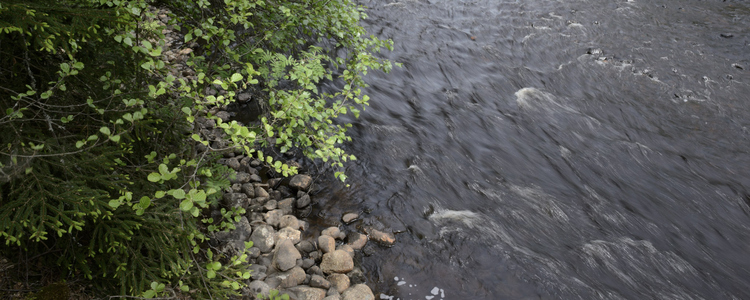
(545,149)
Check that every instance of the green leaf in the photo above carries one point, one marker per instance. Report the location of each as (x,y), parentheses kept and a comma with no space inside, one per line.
(105,130)
(145,202)
(159,194)
(210,274)
(80,144)
(154,177)
(186,204)
(236,77)
(178,194)
(115,138)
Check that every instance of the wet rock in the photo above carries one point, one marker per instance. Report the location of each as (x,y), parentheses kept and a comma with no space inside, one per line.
(356,276)
(339,281)
(288,233)
(380,237)
(303,201)
(289,221)
(300,182)
(308,293)
(259,287)
(287,206)
(358,292)
(319,282)
(326,243)
(337,261)
(273,217)
(233,163)
(369,250)
(350,217)
(726,35)
(248,189)
(261,192)
(285,191)
(263,238)
(286,256)
(356,240)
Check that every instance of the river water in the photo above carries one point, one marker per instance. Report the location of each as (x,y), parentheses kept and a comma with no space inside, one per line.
(543,149)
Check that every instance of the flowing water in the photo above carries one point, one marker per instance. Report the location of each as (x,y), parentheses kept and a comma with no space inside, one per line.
(542,149)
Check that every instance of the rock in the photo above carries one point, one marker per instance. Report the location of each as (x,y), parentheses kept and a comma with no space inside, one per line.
(253,252)
(244,97)
(316,255)
(259,287)
(255,163)
(186,51)
(263,238)
(271,205)
(308,263)
(224,116)
(285,191)
(274,182)
(347,249)
(300,182)
(276,195)
(356,240)
(356,276)
(240,177)
(236,188)
(261,192)
(302,225)
(383,238)
(358,292)
(287,233)
(286,255)
(273,281)
(287,206)
(333,297)
(308,293)
(257,272)
(293,277)
(326,243)
(273,217)
(255,178)
(337,262)
(289,221)
(303,201)
(248,189)
(331,231)
(306,247)
(315,270)
(350,217)
(319,282)
(233,163)
(231,200)
(726,35)
(339,281)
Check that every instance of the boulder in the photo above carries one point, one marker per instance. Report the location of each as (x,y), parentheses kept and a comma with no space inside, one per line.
(300,182)
(261,192)
(338,261)
(287,206)
(303,201)
(286,255)
(259,287)
(356,240)
(326,243)
(293,277)
(331,231)
(380,237)
(339,281)
(263,238)
(319,282)
(231,200)
(308,293)
(288,233)
(358,292)
(350,217)
(289,221)
(273,217)
(248,189)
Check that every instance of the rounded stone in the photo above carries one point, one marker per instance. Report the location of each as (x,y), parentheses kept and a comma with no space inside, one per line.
(358,292)
(338,261)
(326,243)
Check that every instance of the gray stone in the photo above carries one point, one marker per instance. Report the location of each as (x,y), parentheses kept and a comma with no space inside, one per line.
(300,182)
(303,201)
(244,97)
(255,177)
(287,206)
(255,163)
(338,261)
(293,277)
(333,297)
(316,255)
(253,252)
(236,188)
(339,281)
(287,233)
(273,217)
(257,272)
(223,115)
(259,287)
(231,200)
(383,238)
(248,189)
(263,238)
(358,292)
(274,182)
(315,270)
(240,177)
(350,217)
(319,282)
(307,263)
(333,292)
(273,281)
(233,163)
(261,192)
(303,225)
(289,221)
(305,246)
(270,204)
(356,240)
(308,293)
(331,231)
(285,256)
(356,276)
(326,243)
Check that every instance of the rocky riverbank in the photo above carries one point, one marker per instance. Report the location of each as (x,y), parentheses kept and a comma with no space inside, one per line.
(286,255)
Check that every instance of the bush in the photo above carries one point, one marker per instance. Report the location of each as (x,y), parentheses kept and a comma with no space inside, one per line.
(96,172)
